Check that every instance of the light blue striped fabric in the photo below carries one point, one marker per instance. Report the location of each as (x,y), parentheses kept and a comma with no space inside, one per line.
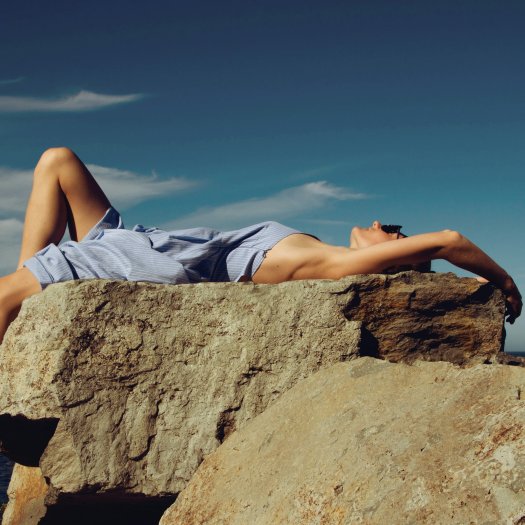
(109,251)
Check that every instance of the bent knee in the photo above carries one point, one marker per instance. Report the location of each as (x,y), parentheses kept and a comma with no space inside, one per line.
(53,156)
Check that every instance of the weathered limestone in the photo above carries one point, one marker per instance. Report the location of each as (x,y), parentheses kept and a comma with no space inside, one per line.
(117,390)
(27,492)
(379,443)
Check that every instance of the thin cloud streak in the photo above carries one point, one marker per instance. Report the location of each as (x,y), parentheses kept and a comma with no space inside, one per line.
(287,203)
(16,185)
(125,188)
(9,81)
(314,173)
(10,241)
(82,101)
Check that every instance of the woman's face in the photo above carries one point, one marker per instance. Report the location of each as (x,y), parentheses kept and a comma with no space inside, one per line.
(364,237)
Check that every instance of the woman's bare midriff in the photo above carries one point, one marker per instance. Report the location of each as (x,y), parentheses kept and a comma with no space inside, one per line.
(297,256)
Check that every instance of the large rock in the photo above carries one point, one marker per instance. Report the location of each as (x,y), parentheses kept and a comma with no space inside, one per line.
(27,492)
(118,390)
(378,443)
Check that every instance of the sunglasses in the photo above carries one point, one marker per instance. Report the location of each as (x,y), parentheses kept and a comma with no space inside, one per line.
(392,228)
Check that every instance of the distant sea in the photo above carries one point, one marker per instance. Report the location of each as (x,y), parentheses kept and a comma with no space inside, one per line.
(6,466)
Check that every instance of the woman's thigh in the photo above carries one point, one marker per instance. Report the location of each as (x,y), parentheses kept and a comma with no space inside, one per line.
(85,200)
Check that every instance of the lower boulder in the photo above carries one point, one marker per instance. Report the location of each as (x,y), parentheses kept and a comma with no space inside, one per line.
(373,442)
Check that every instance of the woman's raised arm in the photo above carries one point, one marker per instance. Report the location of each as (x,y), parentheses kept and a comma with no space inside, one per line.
(448,245)
(462,252)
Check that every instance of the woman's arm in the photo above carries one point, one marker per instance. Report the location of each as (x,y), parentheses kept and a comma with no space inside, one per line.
(462,252)
(448,245)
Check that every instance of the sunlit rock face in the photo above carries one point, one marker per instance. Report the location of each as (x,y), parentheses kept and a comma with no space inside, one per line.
(373,442)
(118,390)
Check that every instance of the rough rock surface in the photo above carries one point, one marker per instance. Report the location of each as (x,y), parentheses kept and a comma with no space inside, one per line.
(26,492)
(379,443)
(118,389)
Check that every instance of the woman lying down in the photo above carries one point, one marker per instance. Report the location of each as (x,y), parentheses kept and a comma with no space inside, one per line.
(65,193)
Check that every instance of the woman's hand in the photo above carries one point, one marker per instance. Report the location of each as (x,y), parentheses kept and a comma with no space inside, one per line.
(513,300)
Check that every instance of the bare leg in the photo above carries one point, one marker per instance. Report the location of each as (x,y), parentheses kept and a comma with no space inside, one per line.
(14,288)
(64,192)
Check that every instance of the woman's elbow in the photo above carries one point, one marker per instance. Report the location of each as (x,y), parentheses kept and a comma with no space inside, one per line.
(451,241)
(452,236)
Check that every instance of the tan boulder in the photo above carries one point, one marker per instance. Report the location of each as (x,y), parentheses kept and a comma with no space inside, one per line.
(117,390)
(373,442)
(27,491)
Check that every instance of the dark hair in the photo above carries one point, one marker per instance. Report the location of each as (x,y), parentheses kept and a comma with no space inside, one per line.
(423,267)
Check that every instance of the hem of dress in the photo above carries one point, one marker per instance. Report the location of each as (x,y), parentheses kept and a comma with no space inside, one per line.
(40,271)
(261,255)
(111,220)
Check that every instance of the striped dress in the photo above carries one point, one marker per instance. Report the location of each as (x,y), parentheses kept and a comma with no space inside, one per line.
(109,251)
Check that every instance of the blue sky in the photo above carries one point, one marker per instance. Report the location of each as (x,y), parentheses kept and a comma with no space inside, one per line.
(321,115)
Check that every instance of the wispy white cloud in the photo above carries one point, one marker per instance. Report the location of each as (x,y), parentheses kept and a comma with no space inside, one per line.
(16,185)
(82,101)
(286,203)
(125,188)
(10,239)
(8,81)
